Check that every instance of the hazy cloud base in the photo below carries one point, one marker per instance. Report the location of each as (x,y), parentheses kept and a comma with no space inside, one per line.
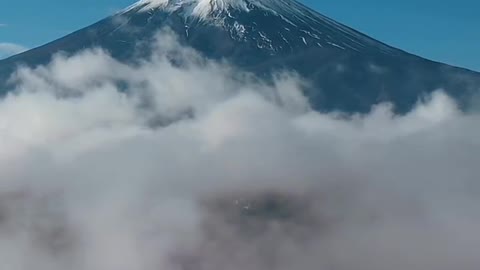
(108,166)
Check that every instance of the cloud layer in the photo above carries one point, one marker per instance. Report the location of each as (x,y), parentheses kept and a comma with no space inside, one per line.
(195,165)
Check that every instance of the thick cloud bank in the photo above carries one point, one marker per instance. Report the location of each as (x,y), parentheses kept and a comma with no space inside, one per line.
(193,165)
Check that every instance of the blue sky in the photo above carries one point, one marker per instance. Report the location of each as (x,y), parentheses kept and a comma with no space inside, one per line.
(446,31)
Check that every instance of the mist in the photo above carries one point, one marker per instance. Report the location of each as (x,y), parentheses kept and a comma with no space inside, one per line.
(196,165)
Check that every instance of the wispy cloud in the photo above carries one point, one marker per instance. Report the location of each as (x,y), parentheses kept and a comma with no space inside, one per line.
(9,49)
(3,25)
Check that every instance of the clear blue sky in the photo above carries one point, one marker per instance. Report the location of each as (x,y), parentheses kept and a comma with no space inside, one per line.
(447,31)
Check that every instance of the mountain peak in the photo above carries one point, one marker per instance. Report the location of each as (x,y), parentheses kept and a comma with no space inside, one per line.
(344,69)
(198,8)
(273,25)
(207,8)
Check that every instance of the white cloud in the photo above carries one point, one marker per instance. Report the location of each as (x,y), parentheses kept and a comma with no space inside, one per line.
(9,49)
(105,165)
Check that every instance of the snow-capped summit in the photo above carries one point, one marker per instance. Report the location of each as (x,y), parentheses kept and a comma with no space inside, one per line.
(347,70)
(204,7)
(296,25)
(199,8)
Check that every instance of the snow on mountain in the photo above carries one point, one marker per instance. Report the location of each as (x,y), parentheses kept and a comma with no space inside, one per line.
(199,8)
(203,8)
